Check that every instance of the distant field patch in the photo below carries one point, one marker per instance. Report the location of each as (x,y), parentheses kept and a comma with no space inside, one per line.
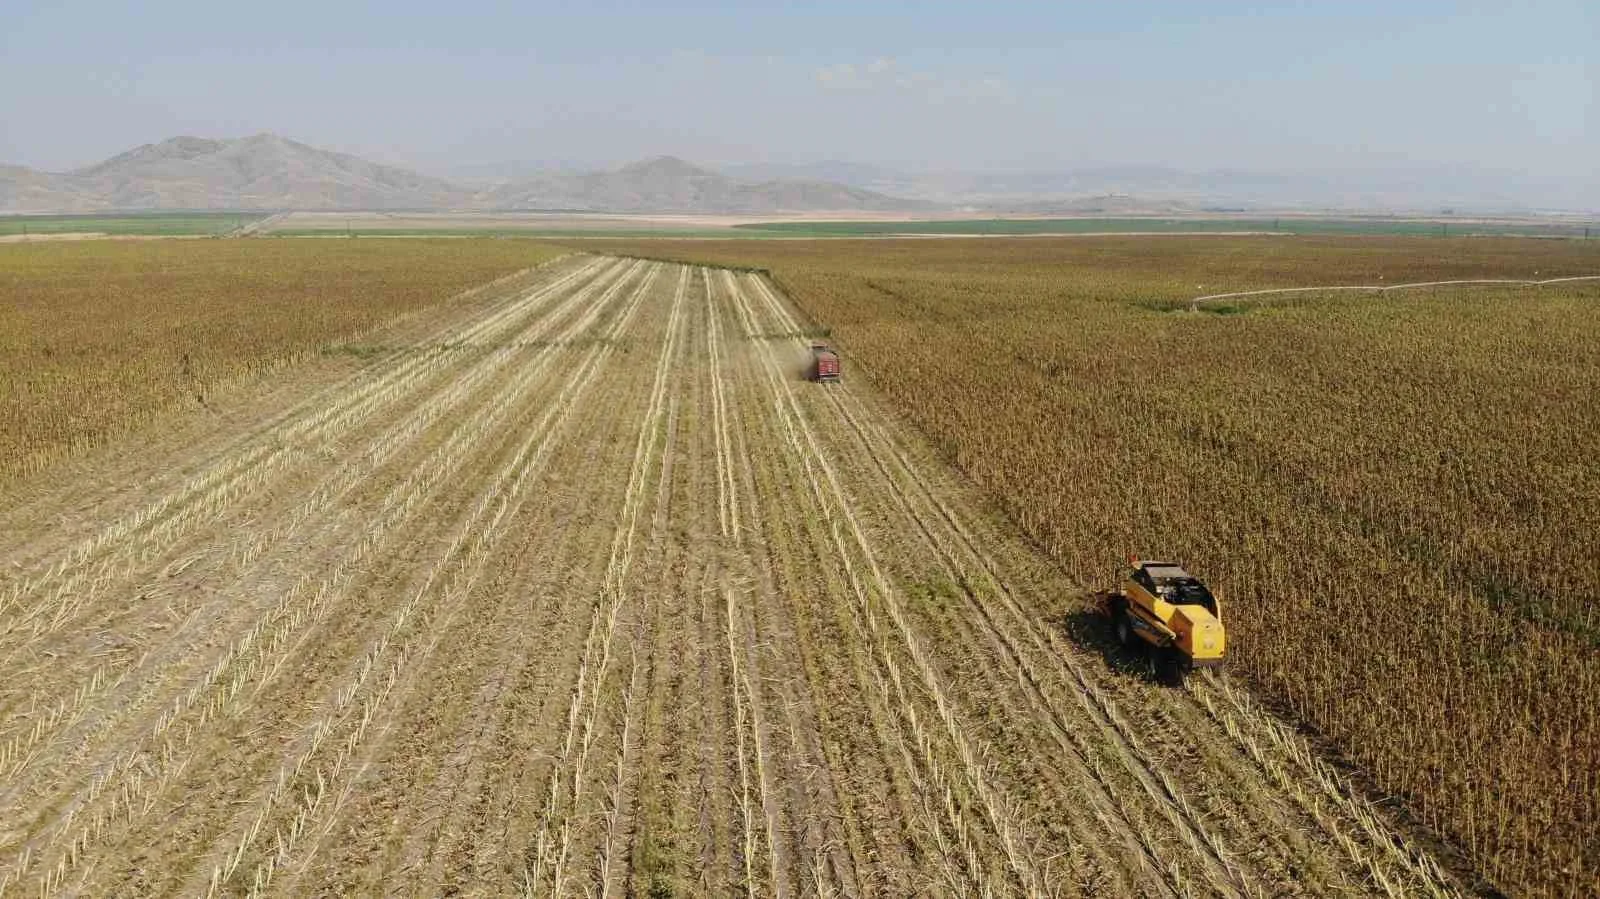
(1171,225)
(153,224)
(98,336)
(504,233)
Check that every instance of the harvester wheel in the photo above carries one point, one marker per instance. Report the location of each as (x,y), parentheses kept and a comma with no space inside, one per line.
(1170,668)
(1121,625)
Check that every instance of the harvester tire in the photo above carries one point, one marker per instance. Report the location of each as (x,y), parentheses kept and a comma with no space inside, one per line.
(1121,625)
(1170,668)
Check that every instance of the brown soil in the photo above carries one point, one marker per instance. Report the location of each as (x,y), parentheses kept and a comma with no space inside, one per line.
(585,593)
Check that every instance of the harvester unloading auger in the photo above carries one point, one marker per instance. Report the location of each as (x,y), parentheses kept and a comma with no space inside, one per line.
(1165,607)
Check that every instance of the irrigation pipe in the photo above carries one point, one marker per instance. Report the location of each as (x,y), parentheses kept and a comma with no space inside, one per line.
(1194,304)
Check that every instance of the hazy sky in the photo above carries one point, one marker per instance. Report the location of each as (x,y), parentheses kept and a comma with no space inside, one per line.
(991,86)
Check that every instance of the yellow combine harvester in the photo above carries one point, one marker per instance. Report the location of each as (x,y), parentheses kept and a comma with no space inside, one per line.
(1166,607)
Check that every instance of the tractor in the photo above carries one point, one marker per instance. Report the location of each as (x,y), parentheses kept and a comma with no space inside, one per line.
(1163,607)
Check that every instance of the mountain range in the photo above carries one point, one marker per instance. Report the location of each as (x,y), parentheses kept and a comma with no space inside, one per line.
(269,172)
(1119,189)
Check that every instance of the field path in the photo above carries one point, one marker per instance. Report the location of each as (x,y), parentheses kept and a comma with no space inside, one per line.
(583,591)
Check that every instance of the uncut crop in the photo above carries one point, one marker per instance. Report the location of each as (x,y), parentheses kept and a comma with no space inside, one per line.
(99,336)
(1397,495)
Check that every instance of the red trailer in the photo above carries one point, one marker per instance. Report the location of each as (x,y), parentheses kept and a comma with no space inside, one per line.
(824,363)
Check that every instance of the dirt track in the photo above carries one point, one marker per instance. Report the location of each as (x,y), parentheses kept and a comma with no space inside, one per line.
(585,593)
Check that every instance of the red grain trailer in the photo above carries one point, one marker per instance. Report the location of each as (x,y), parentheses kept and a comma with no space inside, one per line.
(824,363)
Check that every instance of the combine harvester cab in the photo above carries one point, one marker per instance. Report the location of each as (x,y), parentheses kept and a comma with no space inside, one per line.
(824,364)
(1163,606)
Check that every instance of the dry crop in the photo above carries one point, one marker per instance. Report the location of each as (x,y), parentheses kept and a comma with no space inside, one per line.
(576,590)
(98,336)
(1397,494)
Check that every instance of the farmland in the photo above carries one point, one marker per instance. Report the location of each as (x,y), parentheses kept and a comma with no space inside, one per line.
(1185,224)
(1395,493)
(98,336)
(572,587)
(142,223)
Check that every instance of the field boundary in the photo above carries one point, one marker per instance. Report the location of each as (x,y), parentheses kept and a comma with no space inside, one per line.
(1384,288)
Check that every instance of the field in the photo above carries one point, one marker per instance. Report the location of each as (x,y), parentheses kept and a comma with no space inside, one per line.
(798,226)
(1394,492)
(1189,224)
(98,336)
(575,588)
(165,224)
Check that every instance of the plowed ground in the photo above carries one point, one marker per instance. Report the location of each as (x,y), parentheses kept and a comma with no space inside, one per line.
(585,592)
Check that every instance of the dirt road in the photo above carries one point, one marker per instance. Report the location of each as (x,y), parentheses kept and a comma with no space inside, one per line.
(586,593)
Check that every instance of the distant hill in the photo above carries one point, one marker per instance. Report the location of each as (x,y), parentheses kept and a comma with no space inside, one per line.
(260,172)
(1131,189)
(25,190)
(273,173)
(268,172)
(669,184)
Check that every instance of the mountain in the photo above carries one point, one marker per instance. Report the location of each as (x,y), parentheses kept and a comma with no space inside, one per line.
(669,184)
(271,172)
(853,174)
(25,190)
(1131,189)
(490,174)
(260,172)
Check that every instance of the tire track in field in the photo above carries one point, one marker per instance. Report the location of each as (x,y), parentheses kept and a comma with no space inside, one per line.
(442,808)
(895,470)
(998,809)
(819,846)
(755,842)
(787,528)
(439,462)
(1292,765)
(679,567)
(1416,872)
(475,540)
(1110,807)
(43,603)
(481,845)
(801,556)
(921,806)
(553,842)
(135,764)
(628,776)
(938,798)
(258,665)
(335,492)
(727,487)
(920,506)
(513,806)
(752,750)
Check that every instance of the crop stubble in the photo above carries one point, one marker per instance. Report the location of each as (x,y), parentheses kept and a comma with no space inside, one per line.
(1392,491)
(586,593)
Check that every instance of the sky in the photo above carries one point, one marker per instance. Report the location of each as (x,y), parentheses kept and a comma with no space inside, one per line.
(997,87)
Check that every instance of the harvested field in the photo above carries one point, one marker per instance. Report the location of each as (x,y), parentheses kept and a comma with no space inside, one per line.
(99,336)
(579,590)
(1396,493)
